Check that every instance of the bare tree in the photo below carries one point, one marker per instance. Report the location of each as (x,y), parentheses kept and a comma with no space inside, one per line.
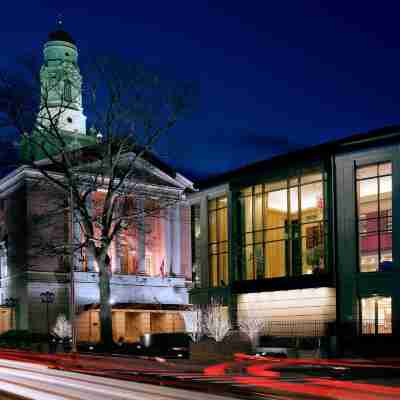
(216,320)
(62,328)
(253,328)
(102,179)
(194,322)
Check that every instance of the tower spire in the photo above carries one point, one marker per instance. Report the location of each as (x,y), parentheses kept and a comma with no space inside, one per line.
(60,21)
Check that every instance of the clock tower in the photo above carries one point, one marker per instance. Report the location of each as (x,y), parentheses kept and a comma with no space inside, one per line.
(61,85)
(61,112)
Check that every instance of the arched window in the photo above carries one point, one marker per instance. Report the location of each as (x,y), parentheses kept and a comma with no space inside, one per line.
(67,91)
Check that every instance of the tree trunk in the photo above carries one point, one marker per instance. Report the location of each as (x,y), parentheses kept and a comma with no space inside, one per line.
(106,330)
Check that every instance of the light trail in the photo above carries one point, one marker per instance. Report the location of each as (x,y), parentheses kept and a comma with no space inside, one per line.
(39,383)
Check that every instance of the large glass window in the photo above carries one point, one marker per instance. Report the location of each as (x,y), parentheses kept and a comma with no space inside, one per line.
(218,241)
(374,217)
(283,227)
(376,315)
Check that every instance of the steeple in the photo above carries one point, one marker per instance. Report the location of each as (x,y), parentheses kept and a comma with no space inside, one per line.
(59,34)
(61,83)
(61,98)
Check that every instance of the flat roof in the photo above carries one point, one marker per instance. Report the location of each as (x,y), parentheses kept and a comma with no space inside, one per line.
(320,151)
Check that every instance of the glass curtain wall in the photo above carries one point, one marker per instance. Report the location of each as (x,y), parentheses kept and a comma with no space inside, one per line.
(374,217)
(283,227)
(218,241)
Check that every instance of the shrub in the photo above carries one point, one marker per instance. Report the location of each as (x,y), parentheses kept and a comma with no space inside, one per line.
(21,338)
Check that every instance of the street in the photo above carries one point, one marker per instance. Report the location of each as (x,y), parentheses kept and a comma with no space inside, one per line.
(32,381)
(61,376)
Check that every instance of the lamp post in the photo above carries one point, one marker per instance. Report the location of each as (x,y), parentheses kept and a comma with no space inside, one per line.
(48,298)
(12,303)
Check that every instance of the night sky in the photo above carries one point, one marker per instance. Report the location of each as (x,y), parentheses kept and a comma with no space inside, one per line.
(274,76)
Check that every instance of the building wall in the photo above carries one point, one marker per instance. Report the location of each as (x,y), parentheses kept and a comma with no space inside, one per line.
(14,228)
(300,304)
(300,312)
(351,283)
(129,325)
(47,221)
(131,289)
(37,311)
(203,293)
(7,319)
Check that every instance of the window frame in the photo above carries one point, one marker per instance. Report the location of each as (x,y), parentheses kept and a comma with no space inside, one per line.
(362,164)
(287,237)
(375,320)
(217,243)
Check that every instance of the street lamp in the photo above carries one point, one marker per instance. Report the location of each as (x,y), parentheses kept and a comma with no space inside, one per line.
(48,298)
(12,303)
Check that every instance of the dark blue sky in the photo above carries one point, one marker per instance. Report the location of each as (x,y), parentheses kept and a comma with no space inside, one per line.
(273,75)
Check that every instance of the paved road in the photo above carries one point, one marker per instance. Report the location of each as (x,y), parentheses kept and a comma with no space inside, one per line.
(32,381)
(246,378)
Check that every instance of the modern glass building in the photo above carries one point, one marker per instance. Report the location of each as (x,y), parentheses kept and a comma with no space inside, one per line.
(306,241)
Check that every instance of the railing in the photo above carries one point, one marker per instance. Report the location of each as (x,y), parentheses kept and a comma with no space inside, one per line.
(294,328)
(312,328)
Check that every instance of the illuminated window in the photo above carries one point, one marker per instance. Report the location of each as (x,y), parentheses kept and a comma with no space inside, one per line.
(376,315)
(283,227)
(374,217)
(218,241)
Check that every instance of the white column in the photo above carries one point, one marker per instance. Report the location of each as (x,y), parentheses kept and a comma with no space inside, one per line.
(141,238)
(176,266)
(167,241)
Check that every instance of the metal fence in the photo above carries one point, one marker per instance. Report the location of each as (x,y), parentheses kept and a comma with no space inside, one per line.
(293,328)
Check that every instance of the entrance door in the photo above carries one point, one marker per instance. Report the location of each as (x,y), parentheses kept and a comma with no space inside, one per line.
(376,315)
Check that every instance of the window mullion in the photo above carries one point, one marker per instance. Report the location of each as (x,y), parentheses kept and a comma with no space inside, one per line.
(218,236)
(253,231)
(289,261)
(300,219)
(264,253)
(379,220)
